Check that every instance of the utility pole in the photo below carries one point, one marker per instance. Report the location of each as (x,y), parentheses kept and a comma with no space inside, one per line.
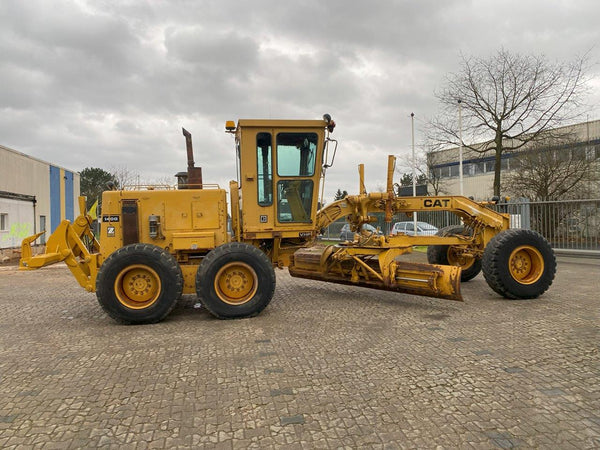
(414,168)
(460,149)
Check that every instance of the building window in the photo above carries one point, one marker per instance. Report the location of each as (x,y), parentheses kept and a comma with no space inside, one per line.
(43,228)
(469,169)
(454,171)
(579,153)
(3,222)
(478,168)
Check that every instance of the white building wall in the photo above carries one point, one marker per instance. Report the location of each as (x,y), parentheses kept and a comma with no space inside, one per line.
(480,186)
(21,174)
(18,224)
(25,175)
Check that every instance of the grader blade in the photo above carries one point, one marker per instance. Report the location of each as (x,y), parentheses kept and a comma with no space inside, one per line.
(429,280)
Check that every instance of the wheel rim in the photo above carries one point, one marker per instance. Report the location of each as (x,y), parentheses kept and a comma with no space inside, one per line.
(236,283)
(458,258)
(526,264)
(137,286)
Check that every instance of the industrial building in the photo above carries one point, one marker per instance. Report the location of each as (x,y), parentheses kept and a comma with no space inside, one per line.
(478,168)
(34,195)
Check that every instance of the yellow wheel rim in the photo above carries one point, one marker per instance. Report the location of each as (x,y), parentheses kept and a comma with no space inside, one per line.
(137,286)
(458,258)
(526,264)
(236,283)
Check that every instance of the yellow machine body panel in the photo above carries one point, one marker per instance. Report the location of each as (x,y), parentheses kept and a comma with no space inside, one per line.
(187,223)
(191,221)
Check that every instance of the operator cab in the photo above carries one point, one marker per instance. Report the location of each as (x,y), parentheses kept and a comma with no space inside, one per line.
(279,169)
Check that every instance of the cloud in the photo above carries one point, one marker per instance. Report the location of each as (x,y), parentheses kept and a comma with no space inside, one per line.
(104,84)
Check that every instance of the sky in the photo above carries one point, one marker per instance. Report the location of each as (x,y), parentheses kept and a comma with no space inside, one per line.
(109,84)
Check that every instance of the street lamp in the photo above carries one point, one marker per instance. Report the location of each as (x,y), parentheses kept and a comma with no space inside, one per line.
(460,149)
(414,168)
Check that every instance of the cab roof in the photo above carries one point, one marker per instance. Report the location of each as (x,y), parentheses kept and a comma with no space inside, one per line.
(281,123)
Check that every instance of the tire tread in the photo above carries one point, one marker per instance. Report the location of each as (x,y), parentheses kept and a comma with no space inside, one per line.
(496,275)
(223,251)
(147,250)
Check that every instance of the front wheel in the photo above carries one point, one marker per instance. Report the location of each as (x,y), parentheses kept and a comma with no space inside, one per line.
(452,256)
(519,264)
(235,280)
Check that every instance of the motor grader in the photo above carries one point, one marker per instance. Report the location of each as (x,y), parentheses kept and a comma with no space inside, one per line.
(156,244)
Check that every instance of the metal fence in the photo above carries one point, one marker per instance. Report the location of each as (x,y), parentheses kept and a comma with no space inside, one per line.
(570,225)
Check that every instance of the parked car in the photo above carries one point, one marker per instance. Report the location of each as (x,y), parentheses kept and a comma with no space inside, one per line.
(348,235)
(423,229)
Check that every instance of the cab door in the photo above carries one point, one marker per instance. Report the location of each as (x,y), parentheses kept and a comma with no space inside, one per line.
(296,157)
(280,168)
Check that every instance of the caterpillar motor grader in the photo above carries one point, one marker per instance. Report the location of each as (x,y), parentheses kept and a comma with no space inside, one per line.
(156,244)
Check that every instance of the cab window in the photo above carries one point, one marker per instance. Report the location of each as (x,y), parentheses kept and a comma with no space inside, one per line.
(296,154)
(294,200)
(264,169)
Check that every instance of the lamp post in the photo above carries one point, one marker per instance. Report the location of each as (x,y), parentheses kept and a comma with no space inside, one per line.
(460,149)
(414,168)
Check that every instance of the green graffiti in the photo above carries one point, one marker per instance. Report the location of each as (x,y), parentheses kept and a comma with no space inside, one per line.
(19,230)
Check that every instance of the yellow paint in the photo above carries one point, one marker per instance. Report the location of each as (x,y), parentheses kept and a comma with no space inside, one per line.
(137,286)
(189,223)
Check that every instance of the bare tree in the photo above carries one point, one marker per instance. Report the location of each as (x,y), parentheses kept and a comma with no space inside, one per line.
(164,181)
(507,101)
(426,161)
(434,176)
(125,177)
(554,170)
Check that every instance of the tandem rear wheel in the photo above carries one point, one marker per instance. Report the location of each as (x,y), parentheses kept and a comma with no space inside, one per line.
(139,283)
(235,280)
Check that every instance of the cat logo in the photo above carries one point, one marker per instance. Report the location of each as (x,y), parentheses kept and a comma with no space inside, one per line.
(437,203)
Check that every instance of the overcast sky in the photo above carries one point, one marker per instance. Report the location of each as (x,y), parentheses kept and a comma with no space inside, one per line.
(110,83)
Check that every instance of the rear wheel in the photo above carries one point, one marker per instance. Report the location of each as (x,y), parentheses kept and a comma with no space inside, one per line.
(235,280)
(452,255)
(519,264)
(139,283)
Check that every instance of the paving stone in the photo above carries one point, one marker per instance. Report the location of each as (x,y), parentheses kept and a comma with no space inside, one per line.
(299,419)
(283,391)
(324,366)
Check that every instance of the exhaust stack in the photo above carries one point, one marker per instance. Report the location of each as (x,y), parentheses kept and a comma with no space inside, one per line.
(193,178)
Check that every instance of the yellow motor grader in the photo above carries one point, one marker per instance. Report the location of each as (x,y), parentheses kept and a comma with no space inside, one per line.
(156,244)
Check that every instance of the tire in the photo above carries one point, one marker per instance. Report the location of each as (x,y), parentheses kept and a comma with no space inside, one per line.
(519,264)
(139,283)
(445,255)
(235,280)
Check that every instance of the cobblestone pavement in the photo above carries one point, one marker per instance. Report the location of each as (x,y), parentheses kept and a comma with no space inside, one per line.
(324,366)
